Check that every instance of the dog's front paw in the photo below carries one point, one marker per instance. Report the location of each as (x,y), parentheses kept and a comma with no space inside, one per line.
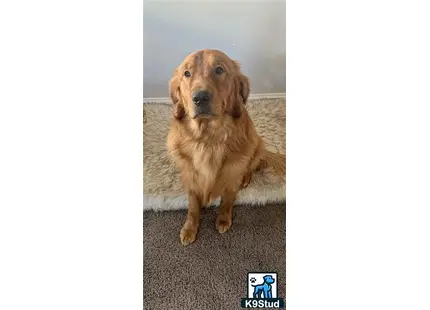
(223,223)
(187,235)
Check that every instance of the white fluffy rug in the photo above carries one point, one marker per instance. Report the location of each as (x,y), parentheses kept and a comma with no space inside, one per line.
(162,189)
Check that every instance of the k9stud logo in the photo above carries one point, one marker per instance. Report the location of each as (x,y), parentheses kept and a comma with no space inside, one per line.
(262,289)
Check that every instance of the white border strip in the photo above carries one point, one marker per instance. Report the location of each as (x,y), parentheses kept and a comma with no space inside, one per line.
(252,96)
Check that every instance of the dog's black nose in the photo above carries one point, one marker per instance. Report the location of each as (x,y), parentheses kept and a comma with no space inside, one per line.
(201,97)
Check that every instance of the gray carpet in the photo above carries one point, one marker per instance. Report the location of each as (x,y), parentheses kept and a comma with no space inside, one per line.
(211,273)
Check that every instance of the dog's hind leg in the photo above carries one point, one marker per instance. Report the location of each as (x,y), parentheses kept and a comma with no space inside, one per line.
(246,179)
(257,292)
(189,230)
(254,165)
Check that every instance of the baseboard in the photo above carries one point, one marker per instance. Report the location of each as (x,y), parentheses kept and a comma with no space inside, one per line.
(252,96)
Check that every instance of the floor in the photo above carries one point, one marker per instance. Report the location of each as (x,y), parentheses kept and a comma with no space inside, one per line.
(210,274)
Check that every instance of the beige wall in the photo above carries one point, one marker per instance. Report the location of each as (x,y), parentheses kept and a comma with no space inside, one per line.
(251,32)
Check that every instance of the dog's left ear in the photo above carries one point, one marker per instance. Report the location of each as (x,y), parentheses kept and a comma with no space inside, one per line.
(242,90)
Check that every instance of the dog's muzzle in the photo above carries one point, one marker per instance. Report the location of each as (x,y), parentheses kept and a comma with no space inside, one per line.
(202,99)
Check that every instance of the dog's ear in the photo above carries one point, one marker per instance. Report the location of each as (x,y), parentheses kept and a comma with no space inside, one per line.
(244,88)
(241,94)
(175,96)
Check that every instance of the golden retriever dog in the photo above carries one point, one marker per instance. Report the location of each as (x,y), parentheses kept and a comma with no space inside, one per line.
(212,139)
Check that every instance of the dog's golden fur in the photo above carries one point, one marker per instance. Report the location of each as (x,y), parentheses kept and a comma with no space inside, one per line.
(217,153)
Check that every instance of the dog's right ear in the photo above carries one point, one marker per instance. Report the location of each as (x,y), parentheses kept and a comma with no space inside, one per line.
(175,95)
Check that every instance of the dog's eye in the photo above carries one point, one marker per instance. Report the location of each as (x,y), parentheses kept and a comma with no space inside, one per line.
(187,73)
(219,70)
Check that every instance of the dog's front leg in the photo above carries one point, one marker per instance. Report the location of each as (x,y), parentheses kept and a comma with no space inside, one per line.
(191,226)
(224,218)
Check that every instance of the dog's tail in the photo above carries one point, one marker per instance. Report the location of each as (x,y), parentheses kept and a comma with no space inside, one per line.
(275,161)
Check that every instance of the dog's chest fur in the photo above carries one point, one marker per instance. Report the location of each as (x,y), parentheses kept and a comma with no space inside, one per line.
(212,156)
(207,160)
(207,149)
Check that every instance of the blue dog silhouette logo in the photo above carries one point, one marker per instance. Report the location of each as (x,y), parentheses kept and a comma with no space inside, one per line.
(263,290)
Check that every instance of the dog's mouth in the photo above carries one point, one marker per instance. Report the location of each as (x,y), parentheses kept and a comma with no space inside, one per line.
(203,112)
(204,115)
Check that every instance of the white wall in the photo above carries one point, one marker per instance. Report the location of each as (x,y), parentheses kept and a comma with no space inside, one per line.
(251,32)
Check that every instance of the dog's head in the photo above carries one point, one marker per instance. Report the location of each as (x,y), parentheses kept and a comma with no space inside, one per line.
(208,84)
(269,279)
